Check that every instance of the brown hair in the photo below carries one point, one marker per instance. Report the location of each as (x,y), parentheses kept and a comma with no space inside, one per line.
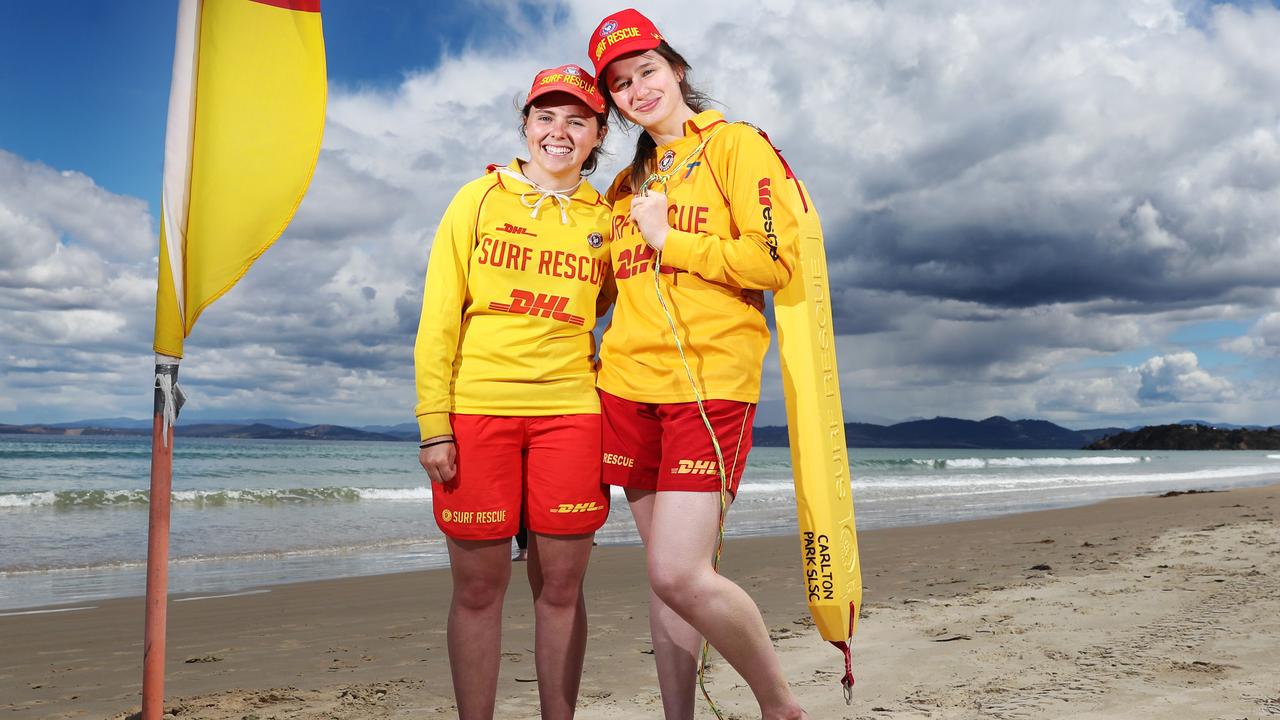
(642,163)
(593,158)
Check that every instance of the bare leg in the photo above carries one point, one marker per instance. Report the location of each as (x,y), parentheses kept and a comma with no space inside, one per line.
(557,565)
(676,644)
(682,534)
(481,571)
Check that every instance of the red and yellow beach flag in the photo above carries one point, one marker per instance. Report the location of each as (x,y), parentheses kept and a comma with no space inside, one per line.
(246,115)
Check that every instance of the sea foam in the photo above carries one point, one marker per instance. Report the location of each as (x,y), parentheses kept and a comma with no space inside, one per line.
(88,499)
(1016,462)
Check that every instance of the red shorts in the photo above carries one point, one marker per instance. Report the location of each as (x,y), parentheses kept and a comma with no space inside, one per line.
(545,469)
(666,446)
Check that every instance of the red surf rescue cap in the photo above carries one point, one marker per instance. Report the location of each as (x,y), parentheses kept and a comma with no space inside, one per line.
(568,79)
(626,31)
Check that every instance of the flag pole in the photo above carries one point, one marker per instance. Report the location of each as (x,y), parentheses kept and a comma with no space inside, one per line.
(168,400)
(236,167)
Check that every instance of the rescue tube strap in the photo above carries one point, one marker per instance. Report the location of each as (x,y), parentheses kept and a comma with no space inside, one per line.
(845,646)
(804,202)
(847,680)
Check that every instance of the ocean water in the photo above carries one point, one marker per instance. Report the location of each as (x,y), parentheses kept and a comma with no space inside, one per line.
(73,510)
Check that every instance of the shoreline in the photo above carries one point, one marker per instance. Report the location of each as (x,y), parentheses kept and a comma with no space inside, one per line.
(377,641)
(257,569)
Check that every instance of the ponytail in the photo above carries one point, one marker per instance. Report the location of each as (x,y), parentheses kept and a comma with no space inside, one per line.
(642,161)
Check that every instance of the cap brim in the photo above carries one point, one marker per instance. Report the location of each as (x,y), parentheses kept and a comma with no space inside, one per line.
(631,47)
(595,104)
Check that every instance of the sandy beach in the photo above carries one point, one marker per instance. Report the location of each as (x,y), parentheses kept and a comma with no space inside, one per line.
(1150,607)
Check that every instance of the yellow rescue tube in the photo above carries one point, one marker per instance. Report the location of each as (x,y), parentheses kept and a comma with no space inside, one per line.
(815,424)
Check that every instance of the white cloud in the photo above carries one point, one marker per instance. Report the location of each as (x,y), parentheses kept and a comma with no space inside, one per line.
(1178,377)
(1091,396)
(77,289)
(70,207)
(1009,190)
(66,243)
(1262,340)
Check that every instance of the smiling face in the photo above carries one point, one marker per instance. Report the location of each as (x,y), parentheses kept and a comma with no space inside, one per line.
(561,131)
(646,88)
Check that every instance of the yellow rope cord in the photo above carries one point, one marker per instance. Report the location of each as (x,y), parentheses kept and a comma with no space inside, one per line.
(665,178)
(715,444)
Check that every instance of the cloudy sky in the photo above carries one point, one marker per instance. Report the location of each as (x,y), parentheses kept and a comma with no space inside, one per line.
(1062,210)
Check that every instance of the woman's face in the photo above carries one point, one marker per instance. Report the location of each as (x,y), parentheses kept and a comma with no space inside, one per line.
(561,131)
(645,88)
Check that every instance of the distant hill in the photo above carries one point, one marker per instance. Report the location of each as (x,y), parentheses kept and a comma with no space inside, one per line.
(1095,434)
(406,429)
(1191,437)
(260,431)
(115,422)
(994,433)
(125,423)
(257,431)
(273,422)
(1220,426)
(943,432)
(36,430)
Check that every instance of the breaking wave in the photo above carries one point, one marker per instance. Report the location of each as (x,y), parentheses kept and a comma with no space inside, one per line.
(1001,462)
(69,499)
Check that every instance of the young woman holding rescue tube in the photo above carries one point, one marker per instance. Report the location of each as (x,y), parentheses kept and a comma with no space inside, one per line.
(507,406)
(712,222)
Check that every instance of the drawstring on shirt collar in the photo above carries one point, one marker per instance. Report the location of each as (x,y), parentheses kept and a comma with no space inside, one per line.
(539,194)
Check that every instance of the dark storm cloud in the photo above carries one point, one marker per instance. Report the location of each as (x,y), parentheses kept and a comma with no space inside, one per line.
(1018,155)
(1012,194)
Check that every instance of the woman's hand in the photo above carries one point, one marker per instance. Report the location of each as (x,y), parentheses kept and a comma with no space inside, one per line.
(439,460)
(649,213)
(754,298)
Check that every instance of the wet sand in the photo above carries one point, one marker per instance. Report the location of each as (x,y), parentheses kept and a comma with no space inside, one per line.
(1153,607)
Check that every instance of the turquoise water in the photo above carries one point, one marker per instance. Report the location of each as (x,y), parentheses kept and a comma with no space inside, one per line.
(73,510)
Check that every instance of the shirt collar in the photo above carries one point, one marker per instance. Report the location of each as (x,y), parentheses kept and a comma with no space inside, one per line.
(584,194)
(694,129)
(703,122)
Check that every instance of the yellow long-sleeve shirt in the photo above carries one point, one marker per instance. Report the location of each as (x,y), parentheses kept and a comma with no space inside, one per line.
(509,304)
(732,228)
